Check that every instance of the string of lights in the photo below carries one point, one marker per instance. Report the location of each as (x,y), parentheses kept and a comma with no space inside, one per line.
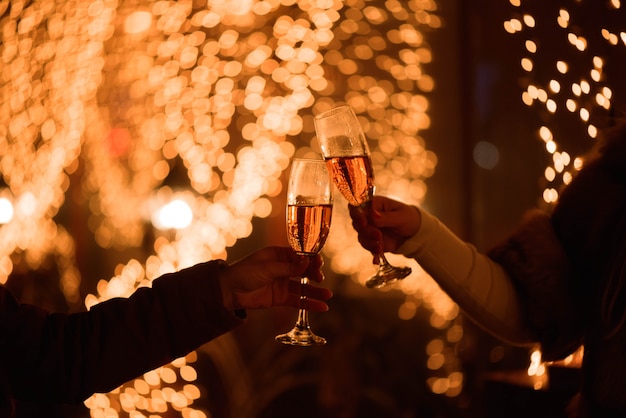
(566,74)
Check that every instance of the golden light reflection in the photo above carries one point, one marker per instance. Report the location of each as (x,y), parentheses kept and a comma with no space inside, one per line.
(130,107)
(590,94)
(537,370)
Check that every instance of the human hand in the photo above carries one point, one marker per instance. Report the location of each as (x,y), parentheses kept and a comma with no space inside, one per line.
(265,278)
(385,224)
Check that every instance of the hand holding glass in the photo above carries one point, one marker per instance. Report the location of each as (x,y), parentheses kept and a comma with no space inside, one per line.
(347,155)
(309,210)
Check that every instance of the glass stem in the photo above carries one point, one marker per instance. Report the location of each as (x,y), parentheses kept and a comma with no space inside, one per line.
(382,260)
(303,314)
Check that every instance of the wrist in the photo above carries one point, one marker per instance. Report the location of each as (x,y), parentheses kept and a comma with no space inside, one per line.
(228,297)
(412,222)
(229,300)
(418,220)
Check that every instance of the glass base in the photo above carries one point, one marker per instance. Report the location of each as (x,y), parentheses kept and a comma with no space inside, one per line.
(387,275)
(302,336)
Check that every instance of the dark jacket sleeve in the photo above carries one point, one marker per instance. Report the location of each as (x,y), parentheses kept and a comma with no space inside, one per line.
(537,264)
(67,358)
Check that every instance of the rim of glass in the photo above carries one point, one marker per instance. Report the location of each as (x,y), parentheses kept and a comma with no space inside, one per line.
(334,110)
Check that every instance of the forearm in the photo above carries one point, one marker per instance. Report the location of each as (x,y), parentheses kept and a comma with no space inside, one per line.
(480,287)
(64,358)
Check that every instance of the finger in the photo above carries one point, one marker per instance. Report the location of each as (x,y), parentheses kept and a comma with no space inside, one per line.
(371,239)
(292,264)
(314,269)
(313,305)
(369,236)
(359,218)
(280,262)
(392,214)
(313,292)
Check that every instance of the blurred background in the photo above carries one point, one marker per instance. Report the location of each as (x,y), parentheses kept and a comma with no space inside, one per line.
(140,137)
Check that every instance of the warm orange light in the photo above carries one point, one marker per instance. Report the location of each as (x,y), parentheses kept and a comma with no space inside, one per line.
(219,96)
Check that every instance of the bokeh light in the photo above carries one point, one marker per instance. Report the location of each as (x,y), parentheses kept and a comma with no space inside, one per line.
(176,120)
(577,84)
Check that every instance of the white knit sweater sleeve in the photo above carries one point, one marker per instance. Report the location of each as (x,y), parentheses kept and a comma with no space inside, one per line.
(480,286)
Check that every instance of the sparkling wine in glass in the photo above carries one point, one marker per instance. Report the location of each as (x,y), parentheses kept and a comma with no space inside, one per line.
(309,211)
(347,155)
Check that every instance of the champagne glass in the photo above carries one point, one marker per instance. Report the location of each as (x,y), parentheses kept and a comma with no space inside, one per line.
(309,210)
(347,155)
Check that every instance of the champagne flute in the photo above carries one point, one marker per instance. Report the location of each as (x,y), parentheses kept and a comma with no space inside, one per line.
(309,210)
(347,155)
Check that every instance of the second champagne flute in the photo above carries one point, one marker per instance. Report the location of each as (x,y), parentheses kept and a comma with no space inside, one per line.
(309,210)
(347,155)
